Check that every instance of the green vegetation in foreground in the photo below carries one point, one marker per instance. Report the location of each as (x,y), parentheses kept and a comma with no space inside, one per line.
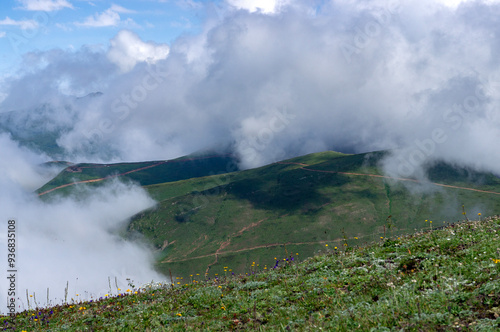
(441,280)
(201,225)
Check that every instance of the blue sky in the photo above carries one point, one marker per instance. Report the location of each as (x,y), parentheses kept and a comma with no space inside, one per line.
(31,25)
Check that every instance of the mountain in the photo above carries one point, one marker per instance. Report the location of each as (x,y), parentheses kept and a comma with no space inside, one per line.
(39,128)
(203,222)
(299,205)
(142,173)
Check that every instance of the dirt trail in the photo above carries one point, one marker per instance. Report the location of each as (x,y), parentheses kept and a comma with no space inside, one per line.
(303,166)
(100,179)
(125,173)
(225,244)
(387,177)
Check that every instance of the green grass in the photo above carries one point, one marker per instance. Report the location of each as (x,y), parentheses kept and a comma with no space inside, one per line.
(154,172)
(211,222)
(205,222)
(437,280)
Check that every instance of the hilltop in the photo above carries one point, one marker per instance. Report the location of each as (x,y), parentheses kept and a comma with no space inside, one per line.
(226,217)
(299,205)
(440,280)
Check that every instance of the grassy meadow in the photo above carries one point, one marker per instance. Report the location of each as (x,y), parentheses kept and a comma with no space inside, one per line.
(432,280)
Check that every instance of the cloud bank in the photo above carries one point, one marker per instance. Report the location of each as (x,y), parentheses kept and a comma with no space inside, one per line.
(349,76)
(68,241)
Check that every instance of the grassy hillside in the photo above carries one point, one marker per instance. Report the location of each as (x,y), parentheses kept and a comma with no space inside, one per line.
(444,280)
(299,205)
(143,173)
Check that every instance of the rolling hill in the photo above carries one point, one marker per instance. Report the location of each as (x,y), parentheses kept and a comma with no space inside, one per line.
(205,223)
(143,173)
(299,205)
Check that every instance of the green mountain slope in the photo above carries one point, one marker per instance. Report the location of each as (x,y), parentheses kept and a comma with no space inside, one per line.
(143,173)
(446,280)
(299,206)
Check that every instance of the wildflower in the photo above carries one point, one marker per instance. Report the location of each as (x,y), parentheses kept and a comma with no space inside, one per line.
(223,308)
(179,314)
(335,248)
(326,245)
(355,237)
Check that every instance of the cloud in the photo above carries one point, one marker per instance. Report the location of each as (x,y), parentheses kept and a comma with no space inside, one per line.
(109,18)
(121,10)
(45,5)
(456,3)
(342,75)
(78,236)
(23,24)
(127,49)
(2,34)
(265,6)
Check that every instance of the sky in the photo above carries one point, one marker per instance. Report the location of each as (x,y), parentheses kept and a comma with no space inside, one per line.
(265,79)
(42,25)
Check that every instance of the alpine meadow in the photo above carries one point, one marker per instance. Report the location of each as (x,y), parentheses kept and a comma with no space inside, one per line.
(233,165)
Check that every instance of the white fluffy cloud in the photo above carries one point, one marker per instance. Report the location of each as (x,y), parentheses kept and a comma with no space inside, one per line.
(45,5)
(456,3)
(23,24)
(265,6)
(78,236)
(127,49)
(109,18)
(105,19)
(346,75)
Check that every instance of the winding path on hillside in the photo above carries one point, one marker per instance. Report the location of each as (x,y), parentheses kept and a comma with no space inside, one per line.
(125,173)
(303,167)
